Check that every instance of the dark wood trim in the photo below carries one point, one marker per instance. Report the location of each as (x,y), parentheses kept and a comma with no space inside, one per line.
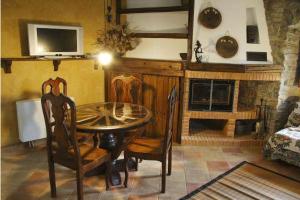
(6,63)
(149,66)
(190,32)
(43,59)
(150,63)
(217,67)
(148,71)
(161,35)
(152,10)
(150,60)
(56,64)
(118,10)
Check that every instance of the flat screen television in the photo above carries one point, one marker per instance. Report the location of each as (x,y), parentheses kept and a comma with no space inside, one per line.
(55,40)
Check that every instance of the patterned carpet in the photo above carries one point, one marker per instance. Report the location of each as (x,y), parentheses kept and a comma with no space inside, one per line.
(248,181)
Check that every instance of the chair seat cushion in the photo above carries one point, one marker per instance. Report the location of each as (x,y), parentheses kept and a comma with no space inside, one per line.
(146,146)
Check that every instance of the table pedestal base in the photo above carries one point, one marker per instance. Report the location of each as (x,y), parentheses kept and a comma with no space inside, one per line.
(117,167)
(113,144)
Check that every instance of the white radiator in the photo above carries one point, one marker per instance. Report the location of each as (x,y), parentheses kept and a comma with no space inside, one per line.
(31,122)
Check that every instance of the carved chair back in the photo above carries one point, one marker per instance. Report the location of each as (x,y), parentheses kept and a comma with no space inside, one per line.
(55,86)
(170,116)
(126,89)
(60,119)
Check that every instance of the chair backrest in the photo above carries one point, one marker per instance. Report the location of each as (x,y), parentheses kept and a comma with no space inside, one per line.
(126,89)
(169,122)
(60,119)
(55,86)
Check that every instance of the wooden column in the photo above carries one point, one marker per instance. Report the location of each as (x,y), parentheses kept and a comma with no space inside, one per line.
(190,32)
(230,128)
(185,113)
(236,96)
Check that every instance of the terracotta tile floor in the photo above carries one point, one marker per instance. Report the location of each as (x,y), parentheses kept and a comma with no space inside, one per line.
(25,174)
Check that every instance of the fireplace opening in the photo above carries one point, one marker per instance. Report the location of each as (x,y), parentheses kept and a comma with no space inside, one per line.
(211,95)
(207,126)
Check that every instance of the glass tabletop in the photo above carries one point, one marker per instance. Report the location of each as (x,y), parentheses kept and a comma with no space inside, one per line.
(111,116)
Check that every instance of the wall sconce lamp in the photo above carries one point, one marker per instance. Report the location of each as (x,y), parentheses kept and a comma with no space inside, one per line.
(104,59)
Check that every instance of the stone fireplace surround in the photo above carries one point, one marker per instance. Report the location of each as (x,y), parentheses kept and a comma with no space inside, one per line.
(230,117)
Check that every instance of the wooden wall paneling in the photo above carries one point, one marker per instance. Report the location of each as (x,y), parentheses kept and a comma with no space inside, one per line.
(156,90)
(148,96)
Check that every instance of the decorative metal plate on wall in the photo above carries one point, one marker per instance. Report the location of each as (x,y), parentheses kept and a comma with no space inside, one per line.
(227,46)
(210,17)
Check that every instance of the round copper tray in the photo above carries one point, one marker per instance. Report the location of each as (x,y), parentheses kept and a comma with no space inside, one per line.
(210,17)
(227,46)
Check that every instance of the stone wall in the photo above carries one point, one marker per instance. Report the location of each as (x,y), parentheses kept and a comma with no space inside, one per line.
(289,91)
(280,14)
(282,17)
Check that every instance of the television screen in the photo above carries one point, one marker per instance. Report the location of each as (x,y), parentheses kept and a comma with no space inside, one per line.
(56,40)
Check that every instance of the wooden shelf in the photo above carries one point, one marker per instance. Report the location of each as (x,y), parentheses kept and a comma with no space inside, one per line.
(152,10)
(162,35)
(6,63)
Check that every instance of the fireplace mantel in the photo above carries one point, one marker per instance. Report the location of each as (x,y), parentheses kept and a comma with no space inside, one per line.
(250,76)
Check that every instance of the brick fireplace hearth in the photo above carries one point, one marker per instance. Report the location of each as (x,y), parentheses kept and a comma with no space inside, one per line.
(237,112)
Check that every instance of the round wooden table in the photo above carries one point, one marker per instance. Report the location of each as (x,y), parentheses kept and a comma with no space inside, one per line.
(113,122)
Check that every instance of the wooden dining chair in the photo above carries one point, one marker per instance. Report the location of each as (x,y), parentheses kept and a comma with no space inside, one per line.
(155,149)
(126,89)
(62,145)
(59,85)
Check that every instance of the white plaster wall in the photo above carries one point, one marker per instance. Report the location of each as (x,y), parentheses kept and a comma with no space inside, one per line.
(152,3)
(234,20)
(233,23)
(165,49)
(170,22)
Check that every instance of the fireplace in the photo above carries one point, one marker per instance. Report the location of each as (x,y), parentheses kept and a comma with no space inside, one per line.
(211,95)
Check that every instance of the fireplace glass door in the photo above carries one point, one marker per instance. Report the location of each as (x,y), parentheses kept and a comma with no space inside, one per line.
(212,95)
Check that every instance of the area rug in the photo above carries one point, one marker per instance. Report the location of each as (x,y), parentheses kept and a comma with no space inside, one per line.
(248,181)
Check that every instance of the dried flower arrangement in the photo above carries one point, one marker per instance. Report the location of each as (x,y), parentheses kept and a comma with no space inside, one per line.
(117,39)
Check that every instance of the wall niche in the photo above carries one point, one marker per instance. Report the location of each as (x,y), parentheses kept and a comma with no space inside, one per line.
(252,27)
